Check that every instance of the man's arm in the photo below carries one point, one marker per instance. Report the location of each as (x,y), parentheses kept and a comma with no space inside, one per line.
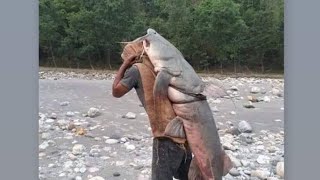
(118,90)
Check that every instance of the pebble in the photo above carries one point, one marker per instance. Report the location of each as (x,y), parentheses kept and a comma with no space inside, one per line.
(83,170)
(272,149)
(131,147)
(72,157)
(249,105)
(234,172)
(262,159)
(97,139)
(93,112)
(235,161)
(45,136)
(216,101)
(130,115)
(111,141)
(62,174)
(70,114)
(244,127)
(260,147)
(280,169)
(253,99)
(78,149)
(95,152)
(245,163)
(53,116)
(65,103)
(266,99)
(272,178)
(234,88)
(96,178)
(228,146)
(120,163)
(215,109)
(261,174)
(93,169)
(51,166)
(233,131)
(44,145)
(276,92)
(255,90)
(49,120)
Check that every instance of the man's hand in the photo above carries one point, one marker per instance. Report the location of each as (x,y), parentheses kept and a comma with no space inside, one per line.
(131,59)
(118,90)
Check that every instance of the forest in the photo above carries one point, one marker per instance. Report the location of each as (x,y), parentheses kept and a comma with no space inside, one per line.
(213,35)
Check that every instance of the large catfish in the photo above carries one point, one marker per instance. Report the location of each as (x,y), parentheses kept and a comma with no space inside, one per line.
(177,80)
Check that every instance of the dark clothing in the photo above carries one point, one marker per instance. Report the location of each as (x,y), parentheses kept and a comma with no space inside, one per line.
(169,160)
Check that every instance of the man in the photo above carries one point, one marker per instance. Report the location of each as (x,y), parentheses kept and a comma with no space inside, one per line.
(171,156)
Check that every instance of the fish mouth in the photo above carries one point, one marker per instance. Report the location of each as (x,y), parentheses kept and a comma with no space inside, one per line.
(150,31)
(139,39)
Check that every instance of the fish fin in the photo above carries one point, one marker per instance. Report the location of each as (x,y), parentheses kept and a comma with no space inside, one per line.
(194,171)
(175,129)
(160,92)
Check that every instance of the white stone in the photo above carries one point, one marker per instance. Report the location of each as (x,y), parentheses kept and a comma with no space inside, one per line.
(49,121)
(93,169)
(131,147)
(262,159)
(83,170)
(96,178)
(130,115)
(44,145)
(266,99)
(255,90)
(111,141)
(93,112)
(280,169)
(70,114)
(78,149)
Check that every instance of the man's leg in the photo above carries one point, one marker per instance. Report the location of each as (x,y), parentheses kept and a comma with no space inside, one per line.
(167,157)
(182,172)
(160,163)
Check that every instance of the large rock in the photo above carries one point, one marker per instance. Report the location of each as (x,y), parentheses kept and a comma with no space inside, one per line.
(244,127)
(280,169)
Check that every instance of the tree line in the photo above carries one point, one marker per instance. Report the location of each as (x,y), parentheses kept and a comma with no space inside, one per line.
(237,35)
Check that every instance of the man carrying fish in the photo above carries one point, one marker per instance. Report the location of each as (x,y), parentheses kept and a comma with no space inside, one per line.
(171,156)
(177,81)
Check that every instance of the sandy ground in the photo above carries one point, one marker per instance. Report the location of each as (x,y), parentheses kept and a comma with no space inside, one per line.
(56,159)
